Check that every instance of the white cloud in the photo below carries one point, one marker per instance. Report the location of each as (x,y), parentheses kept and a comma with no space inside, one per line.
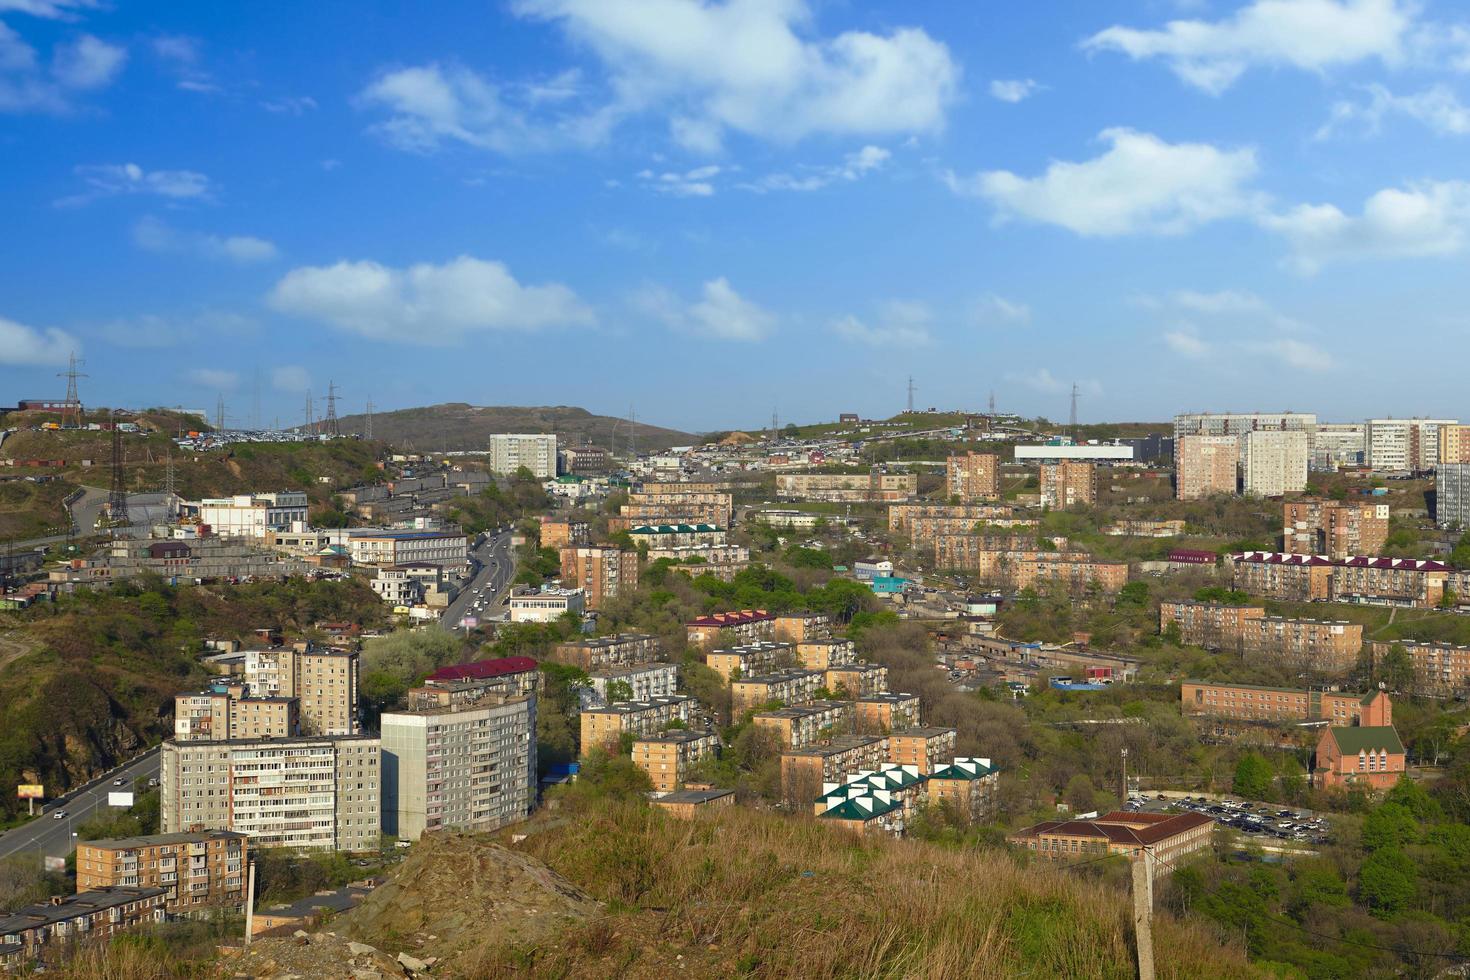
(290,105)
(688,183)
(992,309)
(32,346)
(425,303)
(1437,107)
(182,55)
(746,66)
(1044,381)
(291,378)
(855,166)
(155,236)
(114,179)
(1423,219)
(48,9)
(1141,184)
(900,323)
(1186,342)
(1310,35)
(721,313)
(77,66)
(215,378)
(1224,301)
(1296,354)
(1014,89)
(1242,330)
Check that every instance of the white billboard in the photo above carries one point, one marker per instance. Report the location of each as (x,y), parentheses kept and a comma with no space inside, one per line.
(120,799)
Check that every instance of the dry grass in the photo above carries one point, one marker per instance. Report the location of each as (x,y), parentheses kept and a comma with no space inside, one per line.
(758,894)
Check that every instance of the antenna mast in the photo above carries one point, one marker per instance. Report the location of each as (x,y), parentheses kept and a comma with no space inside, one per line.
(912,389)
(1074,411)
(369,418)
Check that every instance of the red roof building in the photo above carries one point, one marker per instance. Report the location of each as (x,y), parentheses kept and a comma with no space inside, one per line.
(481,670)
(1172,837)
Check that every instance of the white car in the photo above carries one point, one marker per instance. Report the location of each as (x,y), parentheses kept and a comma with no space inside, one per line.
(59,815)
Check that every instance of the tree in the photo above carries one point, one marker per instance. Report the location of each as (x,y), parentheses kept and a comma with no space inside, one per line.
(1079,793)
(1252,777)
(619,691)
(1396,669)
(1133,594)
(1387,882)
(1391,825)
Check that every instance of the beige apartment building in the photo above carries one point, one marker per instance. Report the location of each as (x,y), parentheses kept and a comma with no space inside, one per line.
(1335,528)
(1068,483)
(750,659)
(799,626)
(731,628)
(825,654)
(619,649)
(856,680)
(668,758)
(1076,573)
(872,487)
(1308,643)
(603,572)
(1293,578)
(1212,625)
(786,687)
(602,727)
(927,749)
(973,477)
(323,680)
(1205,466)
(803,725)
(680,507)
(803,771)
(1252,702)
(564,533)
(199,872)
(882,713)
(225,712)
(1274,463)
(968,785)
(912,519)
(1454,443)
(1438,667)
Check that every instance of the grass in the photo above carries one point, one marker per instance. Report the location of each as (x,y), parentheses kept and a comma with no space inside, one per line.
(752,893)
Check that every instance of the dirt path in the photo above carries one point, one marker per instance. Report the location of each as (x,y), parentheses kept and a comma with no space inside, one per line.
(12,650)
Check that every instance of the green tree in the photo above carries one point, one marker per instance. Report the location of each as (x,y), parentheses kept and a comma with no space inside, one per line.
(1396,669)
(619,691)
(1390,825)
(1252,777)
(1387,882)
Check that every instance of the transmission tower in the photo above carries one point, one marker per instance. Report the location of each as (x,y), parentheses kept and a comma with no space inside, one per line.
(632,433)
(307,427)
(775,425)
(219,415)
(71,410)
(912,389)
(1074,411)
(992,401)
(169,485)
(369,420)
(330,421)
(117,499)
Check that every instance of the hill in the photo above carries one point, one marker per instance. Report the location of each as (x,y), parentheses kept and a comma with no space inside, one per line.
(457,426)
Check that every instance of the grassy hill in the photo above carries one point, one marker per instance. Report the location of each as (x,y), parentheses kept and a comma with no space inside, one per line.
(457,426)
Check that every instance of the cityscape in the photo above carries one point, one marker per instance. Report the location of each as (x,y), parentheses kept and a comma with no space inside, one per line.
(369,609)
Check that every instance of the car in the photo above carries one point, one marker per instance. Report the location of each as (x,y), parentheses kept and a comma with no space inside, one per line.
(59,815)
(119,782)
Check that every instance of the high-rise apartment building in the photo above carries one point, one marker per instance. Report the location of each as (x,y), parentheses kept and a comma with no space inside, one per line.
(1336,528)
(464,767)
(536,452)
(1238,424)
(1204,465)
(1066,483)
(322,679)
(226,711)
(1404,445)
(1339,444)
(309,794)
(973,477)
(1454,444)
(603,572)
(1452,495)
(1275,462)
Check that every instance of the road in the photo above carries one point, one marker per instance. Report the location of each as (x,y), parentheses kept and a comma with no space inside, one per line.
(53,838)
(143,509)
(495,566)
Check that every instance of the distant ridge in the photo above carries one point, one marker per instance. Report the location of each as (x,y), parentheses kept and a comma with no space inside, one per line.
(456,426)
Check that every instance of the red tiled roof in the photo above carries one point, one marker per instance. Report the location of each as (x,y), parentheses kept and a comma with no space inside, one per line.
(1355,561)
(482,670)
(733,618)
(1113,826)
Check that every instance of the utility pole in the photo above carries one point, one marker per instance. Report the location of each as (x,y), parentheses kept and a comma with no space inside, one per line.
(1074,411)
(1124,798)
(1143,911)
(307,427)
(912,389)
(775,425)
(249,902)
(71,411)
(632,433)
(170,490)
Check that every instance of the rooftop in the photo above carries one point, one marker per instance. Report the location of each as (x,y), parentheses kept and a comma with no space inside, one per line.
(72,906)
(841,743)
(157,840)
(740,618)
(482,670)
(1122,828)
(695,796)
(1367,738)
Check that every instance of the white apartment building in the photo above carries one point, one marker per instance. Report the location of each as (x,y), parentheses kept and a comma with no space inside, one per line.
(1339,444)
(1239,423)
(528,606)
(644,681)
(1404,445)
(306,794)
(1452,495)
(537,453)
(1275,462)
(449,549)
(396,587)
(465,767)
(251,515)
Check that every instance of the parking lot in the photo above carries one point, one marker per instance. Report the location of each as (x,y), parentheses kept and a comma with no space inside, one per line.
(1267,821)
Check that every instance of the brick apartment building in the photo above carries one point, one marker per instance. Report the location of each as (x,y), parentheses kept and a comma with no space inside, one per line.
(564,533)
(880,714)
(973,477)
(1205,465)
(989,555)
(1068,483)
(731,628)
(798,627)
(871,487)
(1335,528)
(1252,702)
(750,659)
(1212,625)
(602,572)
(198,872)
(928,749)
(1406,582)
(1438,667)
(914,519)
(823,654)
(1076,574)
(856,680)
(28,932)
(668,758)
(967,785)
(805,770)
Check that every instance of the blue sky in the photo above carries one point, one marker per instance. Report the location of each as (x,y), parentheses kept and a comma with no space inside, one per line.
(710,210)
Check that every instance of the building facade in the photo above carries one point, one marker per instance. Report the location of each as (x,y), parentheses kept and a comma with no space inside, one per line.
(1068,484)
(1452,495)
(1275,462)
(198,872)
(536,452)
(251,516)
(668,758)
(1205,465)
(619,649)
(1335,528)
(603,573)
(973,477)
(602,727)
(1404,445)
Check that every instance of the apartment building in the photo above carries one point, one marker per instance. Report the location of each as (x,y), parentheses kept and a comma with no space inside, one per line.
(825,654)
(803,725)
(390,549)
(750,659)
(465,767)
(669,758)
(926,749)
(250,516)
(313,794)
(785,687)
(535,451)
(1335,528)
(1205,465)
(886,712)
(912,519)
(797,627)
(731,628)
(323,680)
(1439,668)
(28,932)
(602,572)
(1390,581)
(633,682)
(198,873)
(856,680)
(854,488)
(1212,625)
(1238,424)
(1452,495)
(1404,445)
(973,477)
(1339,444)
(968,786)
(1274,462)
(894,795)
(601,727)
(678,507)
(561,533)
(723,561)
(1075,573)
(1172,837)
(989,555)
(1292,578)
(1309,643)
(1253,702)
(1146,529)
(1068,484)
(457,684)
(619,649)
(1454,444)
(663,537)
(226,711)
(545,604)
(805,770)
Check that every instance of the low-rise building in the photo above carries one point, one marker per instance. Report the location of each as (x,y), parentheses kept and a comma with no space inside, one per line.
(545,604)
(750,659)
(602,727)
(1359,579)
(883,713)
(659,537)
(668,758)
(926,749)
(856,680)
(634,682)
(786,687)
(1172,837)
(1075,573)
(874,486)
(687,804)
(608,651)
(825,654)
(198,872)
(250,515)
(1439,668)
(805,770)
(1213,625)
(558,533)
(448,548)
(457,684)
(799,627)
(802,725)
(1361,755)
(969,786)
(1253,702)
(28,932)
(731,628)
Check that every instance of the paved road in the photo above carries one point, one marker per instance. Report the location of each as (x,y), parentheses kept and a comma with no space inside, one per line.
(494,568)
(143,509)
(53,838)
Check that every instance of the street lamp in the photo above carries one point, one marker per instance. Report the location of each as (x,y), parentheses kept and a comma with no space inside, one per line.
(1124,752)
